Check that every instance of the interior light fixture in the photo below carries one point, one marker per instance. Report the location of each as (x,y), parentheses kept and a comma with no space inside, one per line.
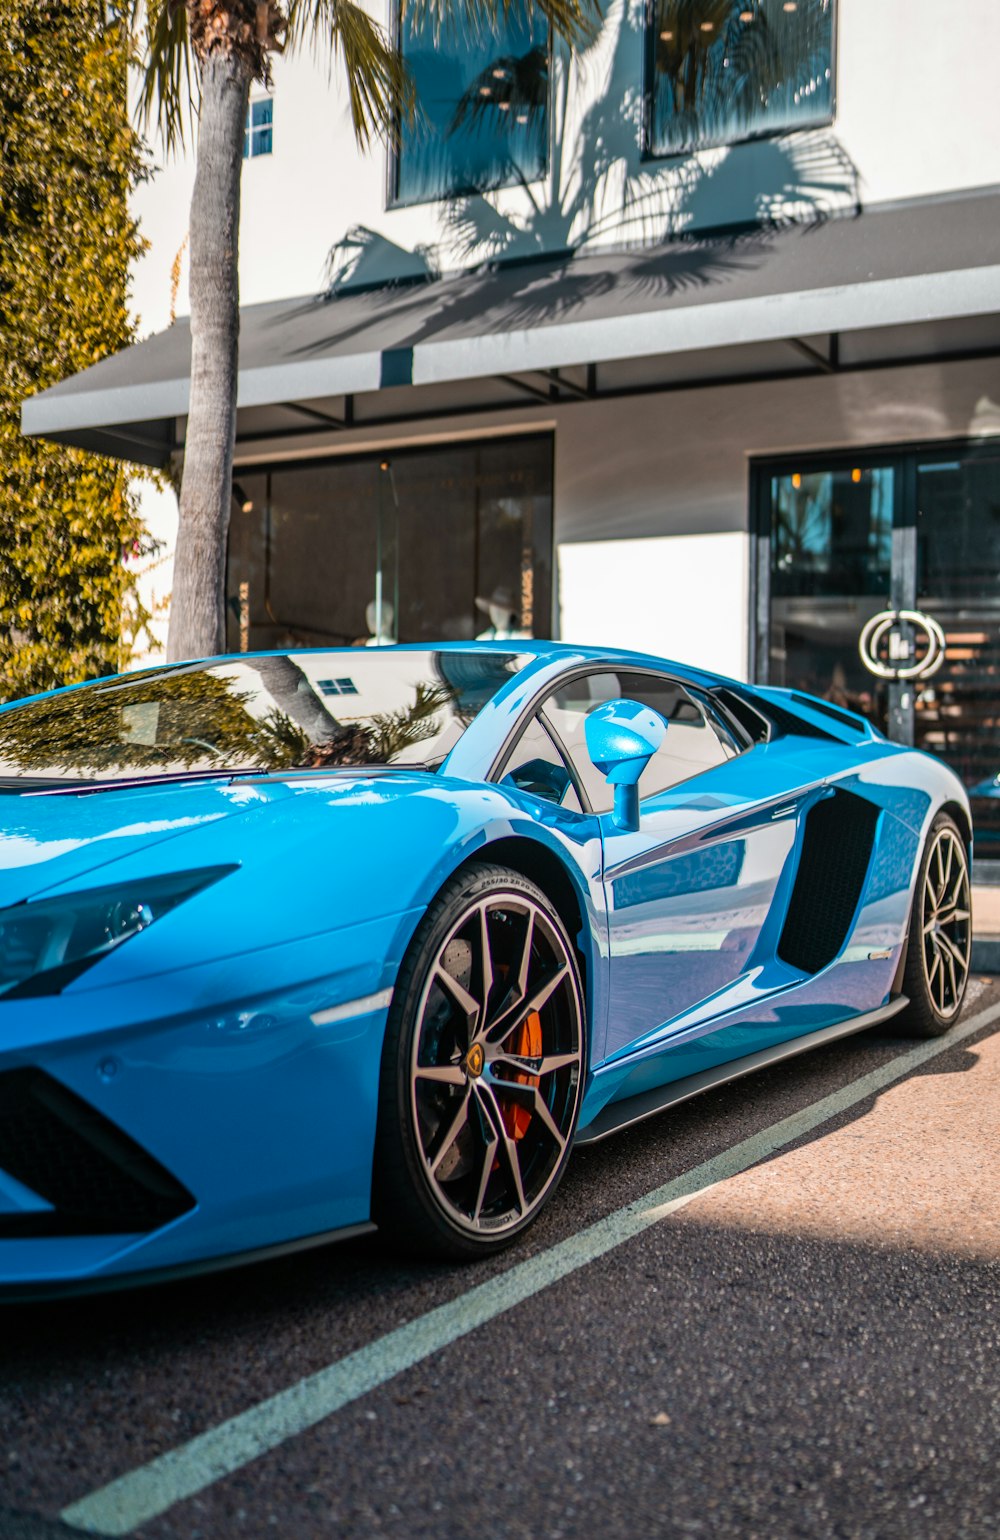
(245,502)
(790,5)
(708,26)
(746,16)
(485,91)
(796,481)
(855,475)
(499,74)
(504,106)
(666,36)
(522,117)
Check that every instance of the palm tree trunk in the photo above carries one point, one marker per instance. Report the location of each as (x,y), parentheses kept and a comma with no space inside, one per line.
(196,607)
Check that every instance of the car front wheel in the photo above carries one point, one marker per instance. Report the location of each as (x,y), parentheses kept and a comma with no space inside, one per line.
(482,1069)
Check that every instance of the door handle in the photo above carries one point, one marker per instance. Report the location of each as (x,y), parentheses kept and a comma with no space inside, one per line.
(881,625)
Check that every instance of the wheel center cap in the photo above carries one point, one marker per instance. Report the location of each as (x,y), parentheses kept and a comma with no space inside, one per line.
(475,1060)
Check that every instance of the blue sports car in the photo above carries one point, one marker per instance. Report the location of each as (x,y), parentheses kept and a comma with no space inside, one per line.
(296,944)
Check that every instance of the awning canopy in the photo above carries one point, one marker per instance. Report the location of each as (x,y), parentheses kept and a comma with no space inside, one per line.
(900,283)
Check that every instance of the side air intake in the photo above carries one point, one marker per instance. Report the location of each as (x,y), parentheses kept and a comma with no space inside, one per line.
(97,1180)
(836,849)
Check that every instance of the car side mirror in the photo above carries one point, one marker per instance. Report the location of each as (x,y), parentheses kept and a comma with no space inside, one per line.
(622,738)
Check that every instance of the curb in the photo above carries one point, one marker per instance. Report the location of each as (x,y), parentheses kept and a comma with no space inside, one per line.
(985,955)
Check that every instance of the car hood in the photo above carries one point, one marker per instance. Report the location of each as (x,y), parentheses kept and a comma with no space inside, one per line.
(50,840)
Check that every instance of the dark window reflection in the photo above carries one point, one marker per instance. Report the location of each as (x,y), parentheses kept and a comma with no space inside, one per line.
(831,558)
(958,583)
(418,547)
(272,713)
(482,118)
(724,70)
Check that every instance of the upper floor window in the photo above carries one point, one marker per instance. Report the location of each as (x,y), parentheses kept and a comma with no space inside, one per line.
(482,105)
(258,135)
(724,70)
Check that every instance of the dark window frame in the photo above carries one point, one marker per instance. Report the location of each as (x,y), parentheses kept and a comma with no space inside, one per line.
(647,150)
(561,754)
(393,199)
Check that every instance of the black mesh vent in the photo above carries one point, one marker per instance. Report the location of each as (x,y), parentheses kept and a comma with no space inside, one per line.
(836,850)
(99,1181)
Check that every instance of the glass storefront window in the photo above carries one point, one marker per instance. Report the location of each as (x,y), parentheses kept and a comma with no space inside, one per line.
(831,560)
(725,70)
(915,541)
(443,544)
(958,583)
(482,115)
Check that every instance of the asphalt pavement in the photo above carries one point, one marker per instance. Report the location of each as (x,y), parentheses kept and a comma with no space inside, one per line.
(808,1347)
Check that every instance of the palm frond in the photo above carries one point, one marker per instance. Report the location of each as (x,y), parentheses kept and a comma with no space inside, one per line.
(168,93)
(577,21)
(379,86)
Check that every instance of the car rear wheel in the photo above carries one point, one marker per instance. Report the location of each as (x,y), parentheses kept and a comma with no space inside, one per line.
(482,1069)
(939,947)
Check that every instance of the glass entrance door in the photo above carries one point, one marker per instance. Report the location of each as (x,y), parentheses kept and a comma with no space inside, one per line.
(879,590)
(956,713)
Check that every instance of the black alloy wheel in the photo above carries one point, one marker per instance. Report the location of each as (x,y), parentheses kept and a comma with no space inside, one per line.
(482,1069)
(940,942)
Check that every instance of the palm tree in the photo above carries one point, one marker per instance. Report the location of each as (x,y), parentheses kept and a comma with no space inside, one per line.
(201,56)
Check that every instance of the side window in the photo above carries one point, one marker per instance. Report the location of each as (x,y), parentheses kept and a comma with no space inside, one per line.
(536,766)
(696,739)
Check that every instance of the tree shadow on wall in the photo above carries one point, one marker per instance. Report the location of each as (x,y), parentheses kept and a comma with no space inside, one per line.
(662,226)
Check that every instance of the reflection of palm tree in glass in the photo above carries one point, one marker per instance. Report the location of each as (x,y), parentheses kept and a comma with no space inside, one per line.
(181,721)
(728,67)
(802,527)
(197,719)
(599,187)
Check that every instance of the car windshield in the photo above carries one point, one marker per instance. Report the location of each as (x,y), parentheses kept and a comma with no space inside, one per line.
(273,713)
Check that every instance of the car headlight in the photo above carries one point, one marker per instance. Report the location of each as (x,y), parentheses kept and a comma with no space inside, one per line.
(45,943)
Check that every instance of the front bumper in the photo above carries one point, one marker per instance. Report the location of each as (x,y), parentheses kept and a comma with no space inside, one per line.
(185,1119)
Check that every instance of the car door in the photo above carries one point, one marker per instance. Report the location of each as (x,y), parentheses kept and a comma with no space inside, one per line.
(692,895)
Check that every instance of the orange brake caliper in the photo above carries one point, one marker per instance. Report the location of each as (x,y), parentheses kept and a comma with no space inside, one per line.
(527,1045)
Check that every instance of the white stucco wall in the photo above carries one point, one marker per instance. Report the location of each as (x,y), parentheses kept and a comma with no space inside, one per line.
(917,113)
(677,596)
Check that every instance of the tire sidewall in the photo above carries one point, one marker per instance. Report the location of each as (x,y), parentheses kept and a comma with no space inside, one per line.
(397,1140)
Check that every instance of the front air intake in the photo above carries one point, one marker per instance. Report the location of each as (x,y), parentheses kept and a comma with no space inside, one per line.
(836,850)
(96,1178)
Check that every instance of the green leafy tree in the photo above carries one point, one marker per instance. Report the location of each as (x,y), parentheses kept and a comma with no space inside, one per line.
(206,53)
(68,159)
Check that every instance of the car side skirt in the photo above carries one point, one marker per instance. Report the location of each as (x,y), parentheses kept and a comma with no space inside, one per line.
(635,1109)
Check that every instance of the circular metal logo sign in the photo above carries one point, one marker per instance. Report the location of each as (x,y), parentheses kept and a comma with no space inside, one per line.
(884,628)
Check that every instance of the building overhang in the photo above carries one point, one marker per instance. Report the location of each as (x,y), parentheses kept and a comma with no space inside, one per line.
(896,284)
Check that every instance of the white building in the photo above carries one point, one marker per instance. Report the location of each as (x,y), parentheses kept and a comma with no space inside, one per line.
(689,345)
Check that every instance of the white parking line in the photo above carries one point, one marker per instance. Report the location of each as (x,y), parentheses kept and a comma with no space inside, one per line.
(143,1494)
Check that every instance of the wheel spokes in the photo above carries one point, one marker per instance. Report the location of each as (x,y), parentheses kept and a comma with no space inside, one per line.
(459,1121)
(947,932)
(515,1014)
(539,1106)
(547,1065)
(505,1144)
(461,996)
(441,1074)
(494,1123)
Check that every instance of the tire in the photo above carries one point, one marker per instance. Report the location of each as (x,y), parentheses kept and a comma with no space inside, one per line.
(482,1069)
(939,945)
